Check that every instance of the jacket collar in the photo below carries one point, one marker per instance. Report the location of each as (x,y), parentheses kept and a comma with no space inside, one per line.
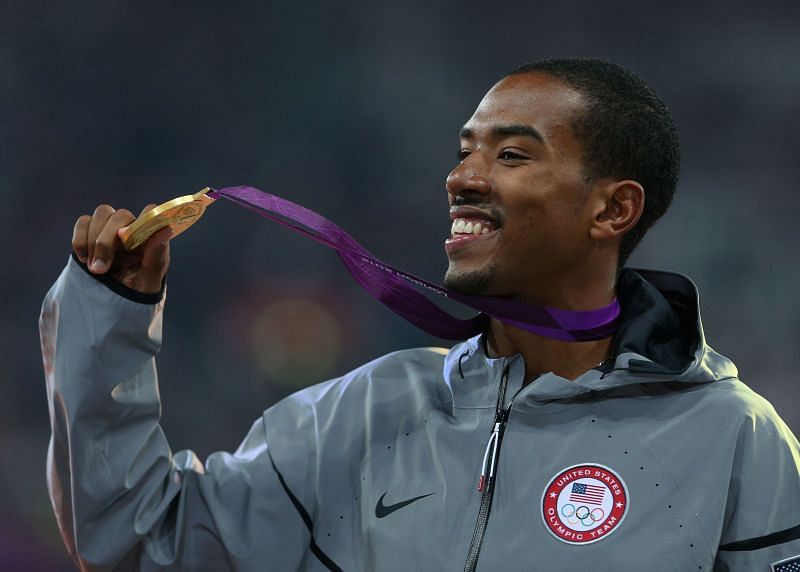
(659,339)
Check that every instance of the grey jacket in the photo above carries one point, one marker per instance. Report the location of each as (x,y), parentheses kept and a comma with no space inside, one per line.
(658,460)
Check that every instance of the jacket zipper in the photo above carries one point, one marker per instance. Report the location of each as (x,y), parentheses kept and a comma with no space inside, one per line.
(491,457)
(488,470)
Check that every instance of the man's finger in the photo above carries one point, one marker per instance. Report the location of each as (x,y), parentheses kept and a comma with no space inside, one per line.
(122,230)
(149,207)
(108,242)
(96,224)
(79,236)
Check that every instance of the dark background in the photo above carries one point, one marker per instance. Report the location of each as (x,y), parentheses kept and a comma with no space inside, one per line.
(352,110)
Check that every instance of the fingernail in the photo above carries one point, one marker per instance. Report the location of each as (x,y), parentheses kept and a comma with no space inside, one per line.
(98,265)
(81,256)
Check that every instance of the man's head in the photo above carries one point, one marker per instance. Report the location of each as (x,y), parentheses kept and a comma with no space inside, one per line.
(557,161)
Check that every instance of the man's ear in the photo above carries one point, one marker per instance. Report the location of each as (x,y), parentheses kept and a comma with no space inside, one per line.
(617,207)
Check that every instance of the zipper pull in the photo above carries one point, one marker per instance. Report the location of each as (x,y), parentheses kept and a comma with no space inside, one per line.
(489,458)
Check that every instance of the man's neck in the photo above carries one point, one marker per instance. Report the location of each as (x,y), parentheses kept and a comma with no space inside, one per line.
(566,359)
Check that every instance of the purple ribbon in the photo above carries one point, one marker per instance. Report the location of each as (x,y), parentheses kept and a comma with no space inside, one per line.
(393,287)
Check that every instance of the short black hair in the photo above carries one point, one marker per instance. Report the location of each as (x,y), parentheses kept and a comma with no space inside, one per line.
(627,132)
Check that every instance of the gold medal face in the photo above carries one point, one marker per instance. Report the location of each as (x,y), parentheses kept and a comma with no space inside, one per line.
(178,214)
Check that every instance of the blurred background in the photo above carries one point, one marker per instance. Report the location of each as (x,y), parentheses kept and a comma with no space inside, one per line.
(352,109)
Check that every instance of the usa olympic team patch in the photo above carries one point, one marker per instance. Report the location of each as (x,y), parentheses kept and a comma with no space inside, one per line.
(584,504)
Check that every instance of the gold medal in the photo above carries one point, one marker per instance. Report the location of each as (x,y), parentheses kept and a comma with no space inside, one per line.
(178,214)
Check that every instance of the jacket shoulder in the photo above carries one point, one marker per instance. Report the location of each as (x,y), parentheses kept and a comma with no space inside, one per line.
(401,363)
(403,374)
(741,402)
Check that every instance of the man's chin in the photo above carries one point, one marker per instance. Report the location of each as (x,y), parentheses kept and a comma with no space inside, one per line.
(476,283)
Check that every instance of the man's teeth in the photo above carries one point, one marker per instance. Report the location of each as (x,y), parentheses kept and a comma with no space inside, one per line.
(461,226)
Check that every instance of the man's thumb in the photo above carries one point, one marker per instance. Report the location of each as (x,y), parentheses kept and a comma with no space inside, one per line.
(155,259)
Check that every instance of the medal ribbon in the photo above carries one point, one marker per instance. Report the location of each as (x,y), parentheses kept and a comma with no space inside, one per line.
(394,287)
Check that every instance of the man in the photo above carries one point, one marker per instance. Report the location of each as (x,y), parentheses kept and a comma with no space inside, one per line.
(512,451)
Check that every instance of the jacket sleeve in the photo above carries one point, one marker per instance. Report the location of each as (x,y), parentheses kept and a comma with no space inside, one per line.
(122,499)
(762,520)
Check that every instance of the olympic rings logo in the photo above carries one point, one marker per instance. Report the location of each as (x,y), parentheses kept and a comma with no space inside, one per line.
(582,514)
(576,505)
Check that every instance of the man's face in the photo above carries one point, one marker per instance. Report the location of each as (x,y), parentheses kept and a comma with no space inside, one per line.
(520,177)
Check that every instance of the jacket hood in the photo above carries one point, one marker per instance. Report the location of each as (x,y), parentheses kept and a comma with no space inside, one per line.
(659,339)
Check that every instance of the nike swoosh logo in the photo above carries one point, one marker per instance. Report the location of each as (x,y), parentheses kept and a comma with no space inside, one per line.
(382,510)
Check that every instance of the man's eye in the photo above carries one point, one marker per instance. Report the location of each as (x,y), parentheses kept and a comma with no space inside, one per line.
(462,155)
(510,156)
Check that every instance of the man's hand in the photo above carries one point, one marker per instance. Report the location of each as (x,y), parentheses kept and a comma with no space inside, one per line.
(96,242)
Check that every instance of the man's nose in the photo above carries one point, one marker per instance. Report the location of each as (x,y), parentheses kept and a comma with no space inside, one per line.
(466,178)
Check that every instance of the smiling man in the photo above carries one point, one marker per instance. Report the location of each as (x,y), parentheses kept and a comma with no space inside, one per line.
(555,226)
(511,451)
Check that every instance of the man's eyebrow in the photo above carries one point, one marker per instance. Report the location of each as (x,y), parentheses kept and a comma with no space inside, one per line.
(518,129)
(506,131)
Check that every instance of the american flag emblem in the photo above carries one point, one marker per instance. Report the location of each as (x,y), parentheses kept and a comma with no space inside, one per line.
(589,494)
(789,565)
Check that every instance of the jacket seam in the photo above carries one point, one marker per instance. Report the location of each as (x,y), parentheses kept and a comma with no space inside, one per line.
(324,559)
(765,541)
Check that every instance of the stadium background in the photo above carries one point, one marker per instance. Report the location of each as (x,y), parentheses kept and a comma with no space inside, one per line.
(352,109)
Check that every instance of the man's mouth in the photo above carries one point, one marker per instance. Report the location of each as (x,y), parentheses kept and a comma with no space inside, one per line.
(469,225)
